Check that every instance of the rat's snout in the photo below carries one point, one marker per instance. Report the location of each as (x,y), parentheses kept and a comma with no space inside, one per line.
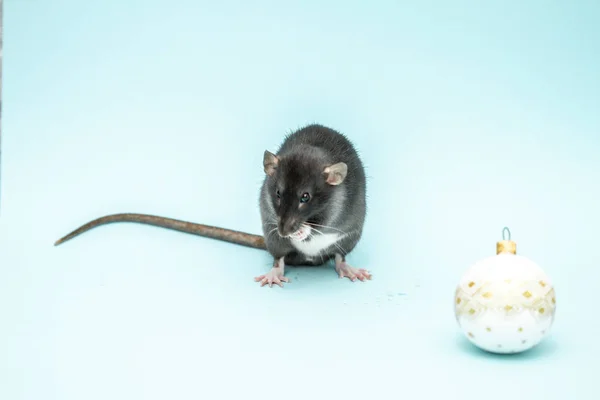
(287,226)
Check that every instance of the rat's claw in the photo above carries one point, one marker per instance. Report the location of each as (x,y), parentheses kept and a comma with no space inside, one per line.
(274,276)
(347,274)
(271,281)
(363,274)
(345,270)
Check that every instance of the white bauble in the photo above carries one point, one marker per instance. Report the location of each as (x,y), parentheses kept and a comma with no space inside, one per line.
(505,303)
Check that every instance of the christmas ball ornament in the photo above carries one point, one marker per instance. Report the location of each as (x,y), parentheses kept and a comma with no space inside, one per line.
(505,303)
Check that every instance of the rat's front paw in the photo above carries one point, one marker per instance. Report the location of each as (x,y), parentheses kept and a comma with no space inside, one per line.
(274,276)
(346,271)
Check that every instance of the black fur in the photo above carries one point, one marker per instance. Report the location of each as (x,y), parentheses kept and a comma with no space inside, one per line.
(303,157)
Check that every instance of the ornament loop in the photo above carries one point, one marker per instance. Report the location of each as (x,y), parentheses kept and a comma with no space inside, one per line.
(505,230)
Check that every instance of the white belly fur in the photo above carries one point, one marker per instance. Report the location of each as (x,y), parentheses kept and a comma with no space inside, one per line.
(317,244)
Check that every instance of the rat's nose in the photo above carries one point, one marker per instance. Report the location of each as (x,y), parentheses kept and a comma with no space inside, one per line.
(286,227)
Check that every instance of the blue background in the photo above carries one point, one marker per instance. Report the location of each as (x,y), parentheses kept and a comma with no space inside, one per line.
(470,116)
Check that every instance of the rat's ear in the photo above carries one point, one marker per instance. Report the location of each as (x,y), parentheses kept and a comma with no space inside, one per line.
(336,173)
(270,162)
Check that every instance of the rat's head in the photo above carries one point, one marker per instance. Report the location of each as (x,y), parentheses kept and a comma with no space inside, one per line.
(300,187)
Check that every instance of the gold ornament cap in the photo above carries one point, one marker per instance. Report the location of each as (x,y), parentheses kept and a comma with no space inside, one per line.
(506,246)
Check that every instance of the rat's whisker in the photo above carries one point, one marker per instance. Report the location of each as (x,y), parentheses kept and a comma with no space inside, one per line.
(271,232)
(327,227)
(316,230)
(340,248)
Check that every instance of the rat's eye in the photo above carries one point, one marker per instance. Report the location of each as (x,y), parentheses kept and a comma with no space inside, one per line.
(278,194)
(305,198)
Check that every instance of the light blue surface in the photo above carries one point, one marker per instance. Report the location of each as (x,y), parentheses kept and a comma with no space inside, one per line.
(470,116)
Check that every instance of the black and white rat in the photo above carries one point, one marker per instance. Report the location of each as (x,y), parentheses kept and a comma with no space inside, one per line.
(312,206)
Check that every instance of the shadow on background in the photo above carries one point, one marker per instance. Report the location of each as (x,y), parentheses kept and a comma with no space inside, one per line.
(545,349)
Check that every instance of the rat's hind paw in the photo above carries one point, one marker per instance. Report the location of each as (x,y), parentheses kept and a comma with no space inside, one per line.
(274,276)
(346,271)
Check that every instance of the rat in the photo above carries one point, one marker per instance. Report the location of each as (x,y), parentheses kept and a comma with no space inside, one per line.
(312,206)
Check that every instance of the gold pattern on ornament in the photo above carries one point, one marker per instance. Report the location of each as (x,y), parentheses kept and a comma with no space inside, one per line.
(527,294)
(471,284)
(520,329)
(488,329)
(467,304)
(542,284)
(471,335)
(487,295)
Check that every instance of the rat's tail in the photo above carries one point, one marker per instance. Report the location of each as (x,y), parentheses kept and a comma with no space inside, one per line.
(213,232)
